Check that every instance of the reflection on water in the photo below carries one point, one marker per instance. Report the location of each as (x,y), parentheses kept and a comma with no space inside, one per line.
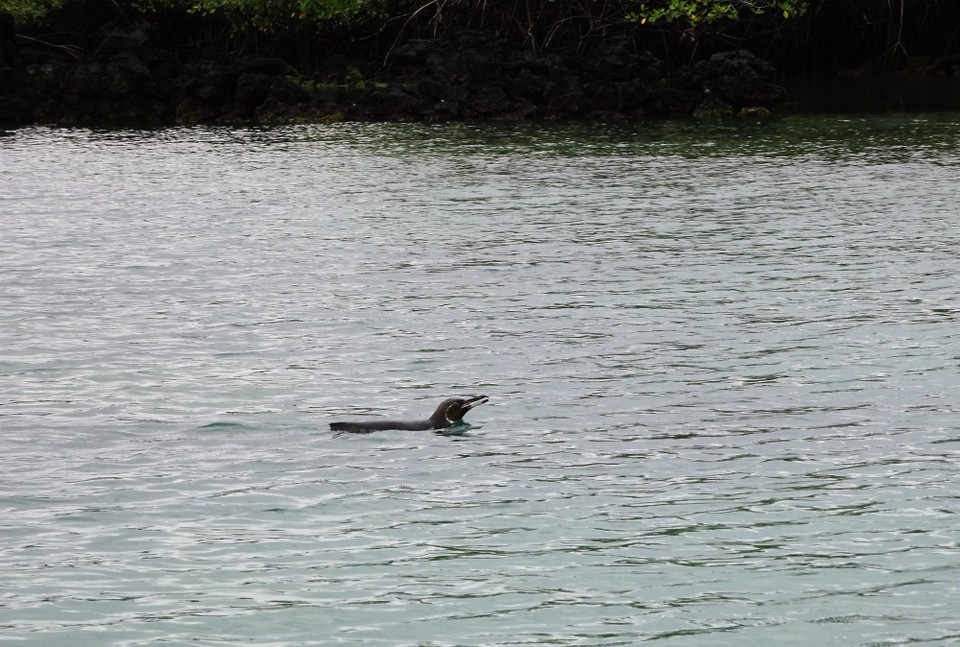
(722,362)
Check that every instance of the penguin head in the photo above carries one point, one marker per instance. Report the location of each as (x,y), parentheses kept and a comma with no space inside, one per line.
(452,410)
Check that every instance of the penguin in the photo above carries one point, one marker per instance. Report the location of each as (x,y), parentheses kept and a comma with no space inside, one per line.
(450,411)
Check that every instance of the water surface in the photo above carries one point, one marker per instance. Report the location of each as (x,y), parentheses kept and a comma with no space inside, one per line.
(722,362)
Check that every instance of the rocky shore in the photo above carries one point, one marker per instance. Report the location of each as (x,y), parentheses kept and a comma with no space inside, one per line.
(131,77)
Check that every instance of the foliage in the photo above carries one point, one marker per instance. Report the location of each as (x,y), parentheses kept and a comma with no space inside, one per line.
(262,14)
(25,11)
(697,12)
(329,9)
(265,13)
(318,10)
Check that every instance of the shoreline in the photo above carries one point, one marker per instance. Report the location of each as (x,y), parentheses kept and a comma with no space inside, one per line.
(130,75)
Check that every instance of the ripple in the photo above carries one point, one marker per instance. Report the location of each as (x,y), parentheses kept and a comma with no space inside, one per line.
(721,363)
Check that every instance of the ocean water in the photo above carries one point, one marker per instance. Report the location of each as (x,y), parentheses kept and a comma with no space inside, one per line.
(723,363)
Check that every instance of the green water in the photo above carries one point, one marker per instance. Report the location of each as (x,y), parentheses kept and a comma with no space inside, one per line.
(722,362)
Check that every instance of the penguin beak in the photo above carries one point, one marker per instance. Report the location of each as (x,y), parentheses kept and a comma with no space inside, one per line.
(474,401)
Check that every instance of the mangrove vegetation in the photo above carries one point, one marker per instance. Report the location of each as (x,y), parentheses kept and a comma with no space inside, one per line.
(78,61)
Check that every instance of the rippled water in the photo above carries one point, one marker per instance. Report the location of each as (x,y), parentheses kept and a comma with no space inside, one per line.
(722,363)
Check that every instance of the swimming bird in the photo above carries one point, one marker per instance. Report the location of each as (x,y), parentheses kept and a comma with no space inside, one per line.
(450,411)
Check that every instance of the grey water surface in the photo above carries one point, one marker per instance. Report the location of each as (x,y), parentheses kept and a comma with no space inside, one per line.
(723,363)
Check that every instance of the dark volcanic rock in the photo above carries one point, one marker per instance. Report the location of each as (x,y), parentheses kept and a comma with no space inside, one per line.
(8,48)
(238,89)
(12,105)
(739,79)
(123,79)
(132,75)
(473,75)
